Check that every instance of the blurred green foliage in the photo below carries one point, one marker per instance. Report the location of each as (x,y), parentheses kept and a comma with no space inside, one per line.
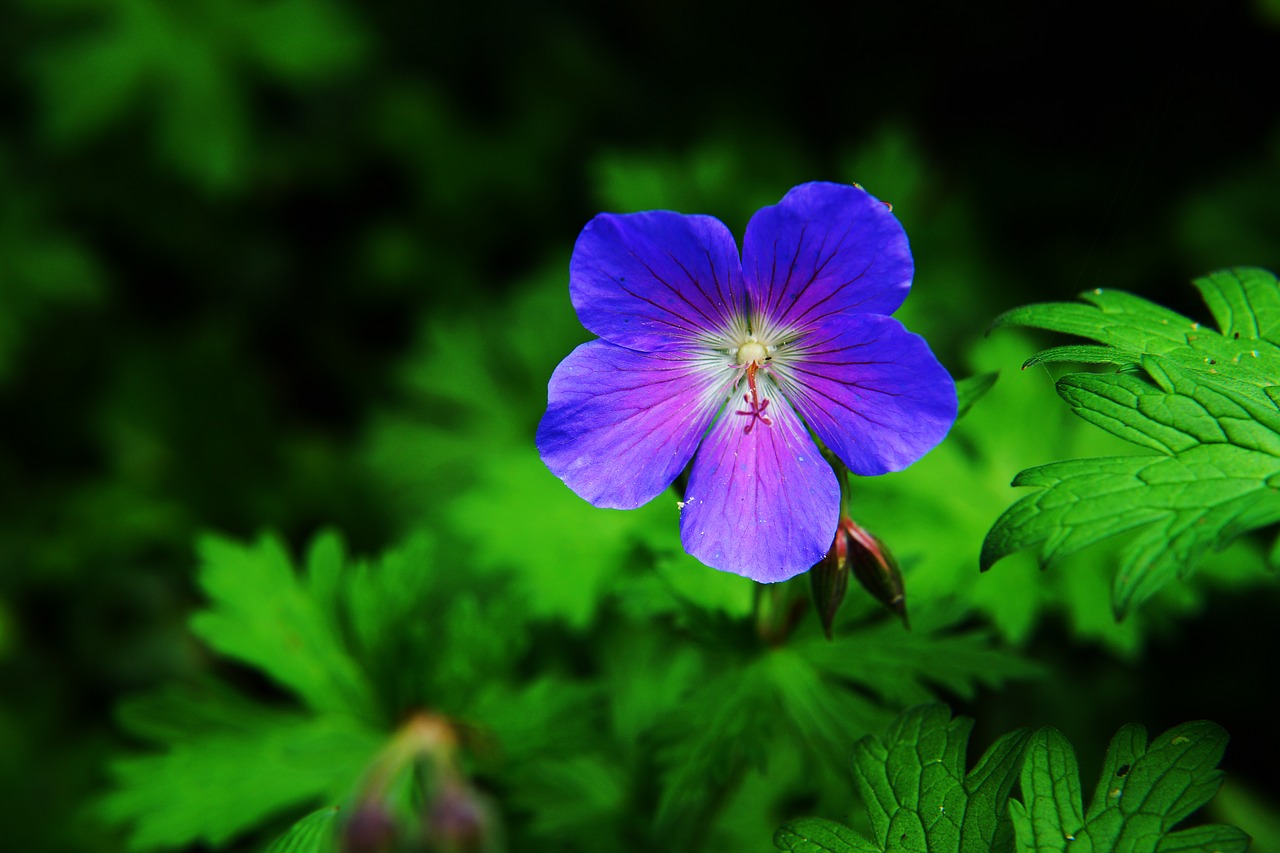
(571,725)
(300,264)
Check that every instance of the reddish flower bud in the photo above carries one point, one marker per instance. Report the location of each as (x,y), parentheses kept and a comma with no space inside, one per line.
(876,569)
(829,580)
(856,551)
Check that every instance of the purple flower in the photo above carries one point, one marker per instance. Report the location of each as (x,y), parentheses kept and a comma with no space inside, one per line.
(798,329)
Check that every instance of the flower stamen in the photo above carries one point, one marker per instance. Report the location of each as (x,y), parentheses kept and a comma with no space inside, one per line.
(756,406)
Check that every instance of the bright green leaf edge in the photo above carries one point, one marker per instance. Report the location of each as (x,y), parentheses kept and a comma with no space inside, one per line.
(1206,400)
(919,799)
(1144,791)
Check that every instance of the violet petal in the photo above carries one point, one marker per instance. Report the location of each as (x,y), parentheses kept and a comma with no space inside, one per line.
(763,504)
(825,249)
(655,281)
(620,424)
(872,391)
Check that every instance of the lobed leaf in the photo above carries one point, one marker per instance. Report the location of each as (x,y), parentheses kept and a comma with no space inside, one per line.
(313,834)
(1204,401)
(913,784)
(917,793)
(262,615)
(360,645)
(918,797)
(815,835)
(1051,786)
(283,761)
(1143,792)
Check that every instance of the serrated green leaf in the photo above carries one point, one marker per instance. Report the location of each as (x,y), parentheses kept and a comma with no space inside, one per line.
(1131,327)
(905,667)
(1143,792)
(1120,320)
(1079,354)
(284,761)
(425,639)
(179,713)
(1204,400)
(262,615)
(1050,783)
(797,700)
(725,724)
(815,835)
(1187,503)
(917,794)
(1244,302)
(315,833)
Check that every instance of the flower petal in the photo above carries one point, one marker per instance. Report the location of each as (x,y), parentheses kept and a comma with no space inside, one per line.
(825,249)
(655,281)
(872,391)
(620,424)
(762,504)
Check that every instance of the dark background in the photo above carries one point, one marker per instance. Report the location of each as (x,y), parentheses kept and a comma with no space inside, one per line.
(221,224)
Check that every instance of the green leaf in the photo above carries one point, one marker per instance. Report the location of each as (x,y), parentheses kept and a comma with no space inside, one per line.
(906,667)
(361,645)
(283,760)
(1143,792)
(918,796)
(815,835)
(313,834)
(262,615)
(1051,786)
(190,68)
(797,700)
(913,784)
(1204,401)
(1244,303)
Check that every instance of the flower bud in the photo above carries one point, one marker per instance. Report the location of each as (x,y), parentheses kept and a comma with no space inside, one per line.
(458,820)
(876,569)
(371,829)
(856,551)
(829,580)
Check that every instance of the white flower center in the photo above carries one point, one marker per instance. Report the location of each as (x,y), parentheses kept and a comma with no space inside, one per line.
(752,350)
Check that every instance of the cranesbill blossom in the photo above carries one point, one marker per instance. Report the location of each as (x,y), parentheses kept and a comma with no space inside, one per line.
(738,360)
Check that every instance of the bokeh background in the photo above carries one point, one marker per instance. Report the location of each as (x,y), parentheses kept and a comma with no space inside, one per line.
(289,264)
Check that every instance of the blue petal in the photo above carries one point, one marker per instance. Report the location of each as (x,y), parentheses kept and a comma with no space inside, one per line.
(762,503)
(825,249)
(872,391)
(656,281)
(620,425)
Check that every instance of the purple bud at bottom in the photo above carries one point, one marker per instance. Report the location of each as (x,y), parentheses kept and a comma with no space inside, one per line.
(371,829)
(457,820)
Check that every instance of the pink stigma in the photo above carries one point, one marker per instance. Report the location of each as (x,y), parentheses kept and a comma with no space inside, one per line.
(755,406)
